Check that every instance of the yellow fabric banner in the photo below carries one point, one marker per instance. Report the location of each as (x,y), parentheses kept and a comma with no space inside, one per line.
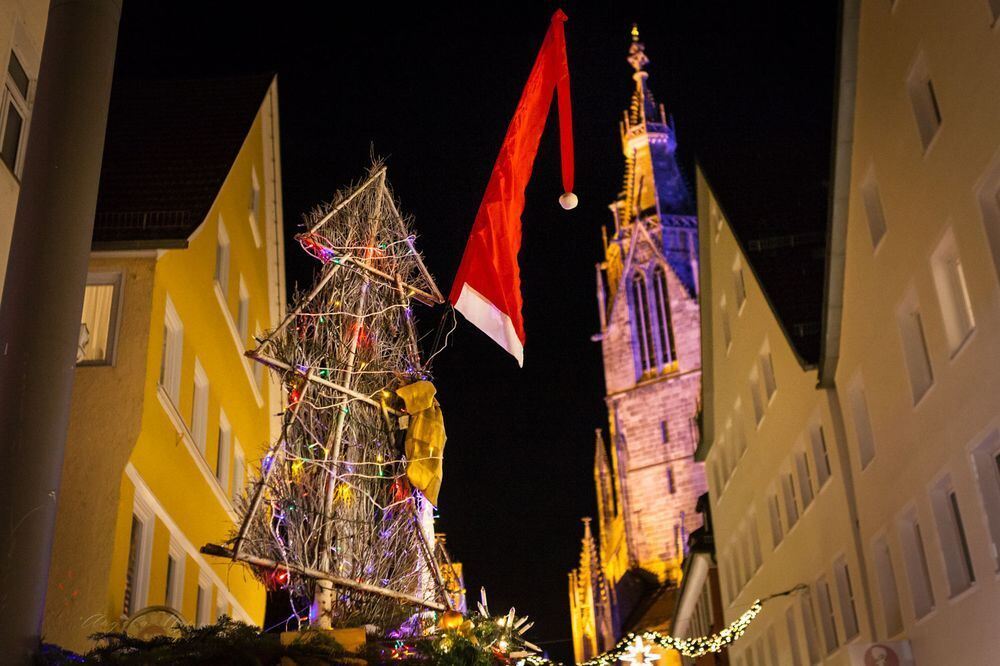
(425,438)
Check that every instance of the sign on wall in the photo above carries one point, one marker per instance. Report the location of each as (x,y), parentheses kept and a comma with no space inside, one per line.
(889,653)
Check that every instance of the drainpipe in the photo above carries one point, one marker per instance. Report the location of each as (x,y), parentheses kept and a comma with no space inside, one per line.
(43,298)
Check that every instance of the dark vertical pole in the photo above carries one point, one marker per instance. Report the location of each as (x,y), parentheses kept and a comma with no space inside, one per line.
(42,300)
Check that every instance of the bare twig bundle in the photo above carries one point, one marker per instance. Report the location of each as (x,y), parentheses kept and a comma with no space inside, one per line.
(332,508)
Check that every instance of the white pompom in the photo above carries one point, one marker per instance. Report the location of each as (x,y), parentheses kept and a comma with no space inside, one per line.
(568,201)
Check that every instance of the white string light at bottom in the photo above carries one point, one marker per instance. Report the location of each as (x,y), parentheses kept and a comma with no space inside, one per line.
(633,648)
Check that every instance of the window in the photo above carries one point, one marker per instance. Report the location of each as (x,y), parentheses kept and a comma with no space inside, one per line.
(791,505)
(952,292)
(253,212)
(809,625)
(664,432)
(986,465)
(918,361)
(727,331)
(845,595)
(758,404)
(862,423)
(222,259)
(662,297)
(739,285)
(243,313)
(887,588)
(915,559)
(772,646)
(738,432)
(826,614)
(716,217)
(15,115)
(805,480)
(767,372)
(751,565)
(175,577)
(755,542)
(951,533)
(793,637)
(670,481)
(199,408)
(139,550)
(988,195)
(222,459)
(204,603)
(926,110)
(239,471)
(170,359)
(871,199)
(643,327)
(99,319)
(776,534)
(820,457)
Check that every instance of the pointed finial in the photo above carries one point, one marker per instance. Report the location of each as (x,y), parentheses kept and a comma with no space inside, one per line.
(637,51)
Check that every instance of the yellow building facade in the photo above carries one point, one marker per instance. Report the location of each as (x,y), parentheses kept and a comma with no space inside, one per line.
(168,417)
(868,472)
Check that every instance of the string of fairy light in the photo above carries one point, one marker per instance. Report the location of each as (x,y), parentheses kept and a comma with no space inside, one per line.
(634,648)
(333,492)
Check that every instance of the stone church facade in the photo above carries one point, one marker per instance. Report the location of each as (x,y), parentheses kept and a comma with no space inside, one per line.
(647,480)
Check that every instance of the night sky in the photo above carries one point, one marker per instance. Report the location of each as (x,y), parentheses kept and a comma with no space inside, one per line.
(432,86)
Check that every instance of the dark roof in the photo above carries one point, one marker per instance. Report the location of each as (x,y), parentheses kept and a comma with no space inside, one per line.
(779,214)
(168,148)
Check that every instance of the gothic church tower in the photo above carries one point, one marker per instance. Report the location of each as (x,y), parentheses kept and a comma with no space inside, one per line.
(647,291)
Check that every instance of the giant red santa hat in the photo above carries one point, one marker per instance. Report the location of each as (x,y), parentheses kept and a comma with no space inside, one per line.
(487,289)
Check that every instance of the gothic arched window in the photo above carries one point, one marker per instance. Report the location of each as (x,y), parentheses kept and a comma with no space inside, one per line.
(662,297)
(643,325)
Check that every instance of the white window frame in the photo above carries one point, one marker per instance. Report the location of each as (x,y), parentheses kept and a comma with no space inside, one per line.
(243,313)
(791,501)
(147,523)
(768,379)
(739,286)
(727,327)
(913,540)
(914,346)
(114,279)
(793,636)
(175,587)
(809,626)
(952,533)
(800,462)
(953,293)
(224,452)
(11,95)
(173,353)
(239,470)
(203,609)
(874,208)
(827,614)
(924,102)
(223,258)
(254,206)
(983,456)
(864,434)
(774,515)
(821,455)
(199,408)
(888,585)
(755,398)
(847,599)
